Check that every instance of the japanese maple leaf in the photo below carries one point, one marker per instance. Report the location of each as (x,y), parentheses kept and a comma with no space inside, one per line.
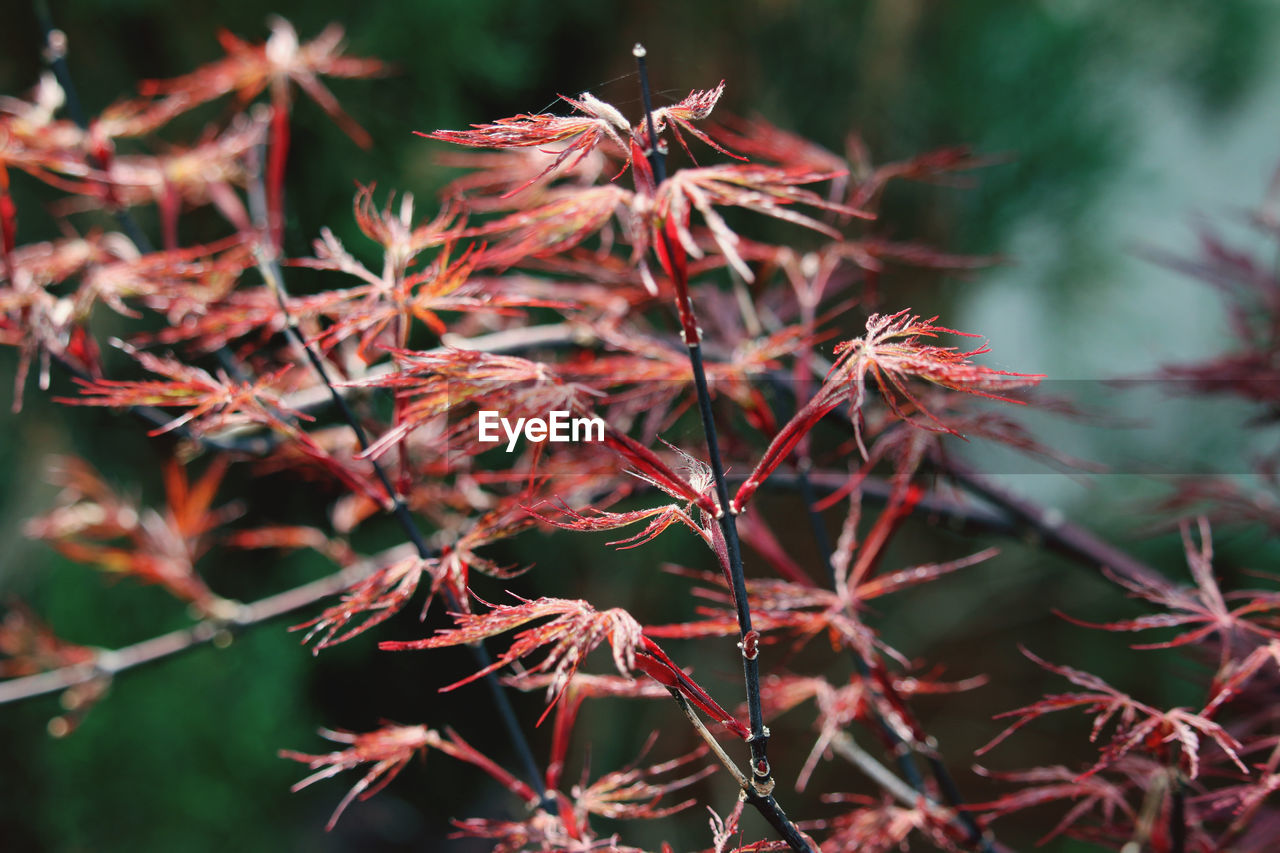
(376,598)
(455,383)
(1201,611)
(388,589)
(28,645)
(34,140)
(197,175)
(1251,288)
(892,352)
(884,827)
(574,630)
(774,191)
(597,122)
(563,221)
(38,321)
(763,140)
(381,309)
(582,134)
(248,69)
(179,283)
(840,706)
(490,175)
(1244,801)
(1231,679)
(803,609)
(590,685)
(634,793)
(393,227)
(657,520)
(389,749)
(695,106)
(94,525)
(1138,726)
(937,166)
(1041,785)
(212,402)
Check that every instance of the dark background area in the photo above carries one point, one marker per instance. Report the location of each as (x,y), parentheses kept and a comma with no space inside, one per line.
(1088,106)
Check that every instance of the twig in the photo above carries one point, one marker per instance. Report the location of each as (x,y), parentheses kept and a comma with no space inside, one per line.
(901,749)
(111,662)
(847,748)
(710,739)
(958,516)
(765,804)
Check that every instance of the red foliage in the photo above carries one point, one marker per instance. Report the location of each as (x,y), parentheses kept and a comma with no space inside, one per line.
(408,353)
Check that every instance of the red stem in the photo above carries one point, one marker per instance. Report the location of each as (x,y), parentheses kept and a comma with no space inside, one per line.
(276,157)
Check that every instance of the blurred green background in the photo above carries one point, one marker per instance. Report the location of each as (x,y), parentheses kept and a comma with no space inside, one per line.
(1114,122)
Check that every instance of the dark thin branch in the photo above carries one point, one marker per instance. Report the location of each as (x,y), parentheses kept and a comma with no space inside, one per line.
(1177,815)
(55,53)
(899,748)
(269,266)
(55,46)
(759,793)
(271,271)
(1050,527)
(772,812)
(657,156)
(956,515)
(951,796)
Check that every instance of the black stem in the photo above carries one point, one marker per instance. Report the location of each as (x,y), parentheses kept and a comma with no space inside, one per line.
(1177,815)
(951,796)
(403,516)
(901,750)
(657,157)
(729,526)
(55,45)
(759,792)
(777,818)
